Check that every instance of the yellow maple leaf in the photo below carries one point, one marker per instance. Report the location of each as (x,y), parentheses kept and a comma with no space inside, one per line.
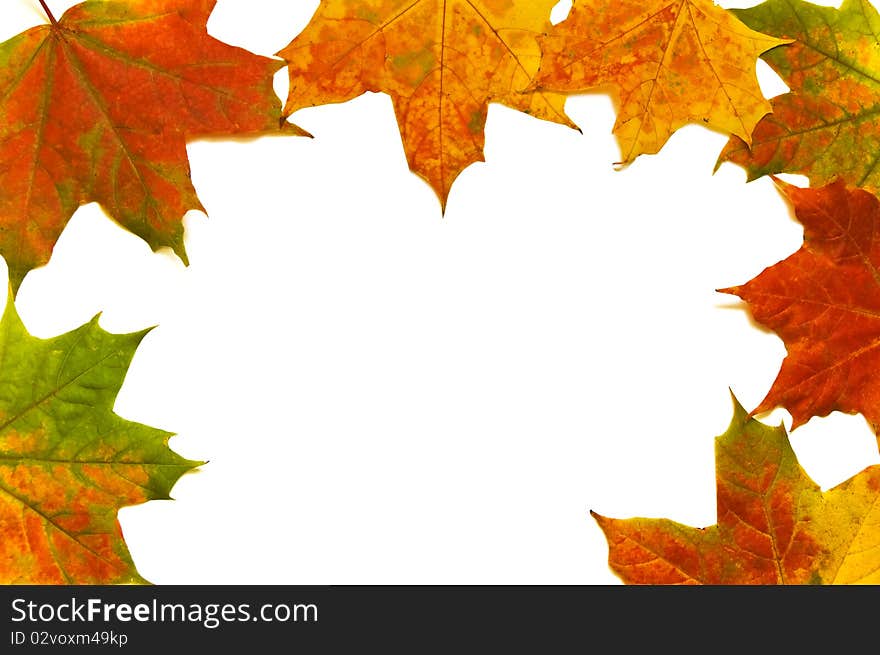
(441,61)
(671,63)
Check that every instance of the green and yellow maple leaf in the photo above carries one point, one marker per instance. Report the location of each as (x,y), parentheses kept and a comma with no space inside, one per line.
(828,126)
(67,462)
(775,525)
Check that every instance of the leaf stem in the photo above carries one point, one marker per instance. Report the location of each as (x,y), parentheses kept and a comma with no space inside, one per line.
(48,13)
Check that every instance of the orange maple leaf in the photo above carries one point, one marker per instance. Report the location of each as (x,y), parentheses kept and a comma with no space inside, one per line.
(824,302)
(441,61)
(672,63)
(98,106)
(775,525)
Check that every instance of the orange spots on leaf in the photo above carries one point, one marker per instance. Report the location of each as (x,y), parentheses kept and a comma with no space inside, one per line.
(12,441)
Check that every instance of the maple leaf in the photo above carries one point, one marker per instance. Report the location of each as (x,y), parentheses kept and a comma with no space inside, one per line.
(98,106)
(775,525)
(441,61)
(824,302)
(67,462)
(671,63)
(827,126)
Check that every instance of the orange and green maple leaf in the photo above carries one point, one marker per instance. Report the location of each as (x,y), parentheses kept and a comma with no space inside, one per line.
(670,64)
(775,525)
(824,303)
(67,462)
(441,61)
(828,125)
(98,106)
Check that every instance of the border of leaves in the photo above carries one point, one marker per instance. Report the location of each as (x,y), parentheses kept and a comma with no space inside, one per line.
(600,519)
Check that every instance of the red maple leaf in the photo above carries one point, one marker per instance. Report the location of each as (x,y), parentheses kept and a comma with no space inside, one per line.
(824,302)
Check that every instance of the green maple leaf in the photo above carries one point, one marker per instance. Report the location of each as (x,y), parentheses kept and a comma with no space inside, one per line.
(67,462)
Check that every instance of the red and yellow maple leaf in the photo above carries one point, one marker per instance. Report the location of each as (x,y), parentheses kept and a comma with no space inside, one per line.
(67,462)
(441,61)
(775,525)
(824,302)
(671,63)
(827,126)
(98,106)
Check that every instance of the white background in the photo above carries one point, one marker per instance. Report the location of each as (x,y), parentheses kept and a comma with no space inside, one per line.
(387,395)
